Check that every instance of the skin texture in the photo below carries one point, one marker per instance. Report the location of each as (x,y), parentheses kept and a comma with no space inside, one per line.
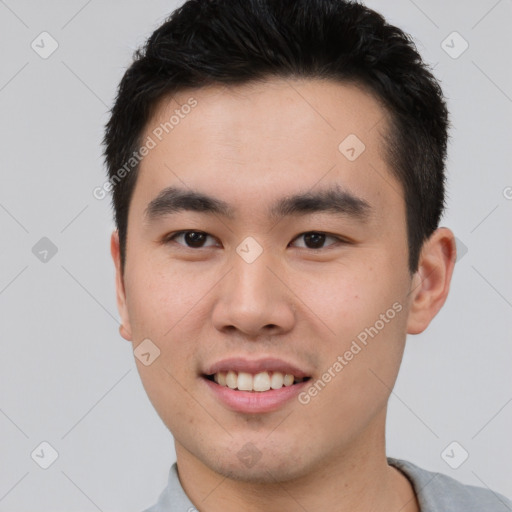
(249,146)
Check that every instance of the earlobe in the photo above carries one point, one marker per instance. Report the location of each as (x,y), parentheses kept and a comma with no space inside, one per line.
(431,283)
(115,251)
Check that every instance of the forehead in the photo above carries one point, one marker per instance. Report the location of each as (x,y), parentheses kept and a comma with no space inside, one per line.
(266,108)
(252,142)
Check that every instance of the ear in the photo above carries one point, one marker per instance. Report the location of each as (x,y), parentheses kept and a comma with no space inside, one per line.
(431,282)
(125,328)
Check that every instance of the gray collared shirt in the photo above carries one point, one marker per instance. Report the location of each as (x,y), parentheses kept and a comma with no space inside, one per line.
(436,492)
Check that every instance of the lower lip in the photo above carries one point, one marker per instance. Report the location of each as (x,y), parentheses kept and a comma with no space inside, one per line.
(254,402)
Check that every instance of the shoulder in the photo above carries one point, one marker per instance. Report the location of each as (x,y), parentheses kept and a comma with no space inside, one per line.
(173,497)
(439,492)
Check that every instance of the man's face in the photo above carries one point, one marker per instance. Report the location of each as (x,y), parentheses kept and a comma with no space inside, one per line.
(256,286)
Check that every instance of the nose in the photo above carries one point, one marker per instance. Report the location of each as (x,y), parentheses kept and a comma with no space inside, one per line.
(254,299)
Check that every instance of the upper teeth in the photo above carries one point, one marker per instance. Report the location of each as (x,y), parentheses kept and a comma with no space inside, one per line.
(262,381)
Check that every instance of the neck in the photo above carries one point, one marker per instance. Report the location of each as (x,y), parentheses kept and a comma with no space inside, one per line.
(356,479)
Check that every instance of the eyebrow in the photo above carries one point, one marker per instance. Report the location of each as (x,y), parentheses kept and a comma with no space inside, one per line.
(334,200)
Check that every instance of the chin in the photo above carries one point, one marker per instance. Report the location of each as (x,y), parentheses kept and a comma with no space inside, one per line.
(260,473)
(269,465)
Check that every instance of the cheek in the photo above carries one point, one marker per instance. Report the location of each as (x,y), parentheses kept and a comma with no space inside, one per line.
(347,298)
(370,321)
(168,306)
(158,296)
(164,307)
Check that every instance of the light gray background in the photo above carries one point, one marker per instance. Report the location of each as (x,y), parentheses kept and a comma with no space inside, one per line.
(69,379)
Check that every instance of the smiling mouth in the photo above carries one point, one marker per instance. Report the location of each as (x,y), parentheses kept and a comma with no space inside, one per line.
(259,382)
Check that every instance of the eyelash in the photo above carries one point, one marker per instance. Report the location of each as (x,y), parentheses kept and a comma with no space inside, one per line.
(172,236)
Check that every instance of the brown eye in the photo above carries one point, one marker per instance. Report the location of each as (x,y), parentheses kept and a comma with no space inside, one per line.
(316,239)
(191,239)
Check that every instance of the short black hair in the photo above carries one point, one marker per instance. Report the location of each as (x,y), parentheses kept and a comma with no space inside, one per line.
(230,42)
